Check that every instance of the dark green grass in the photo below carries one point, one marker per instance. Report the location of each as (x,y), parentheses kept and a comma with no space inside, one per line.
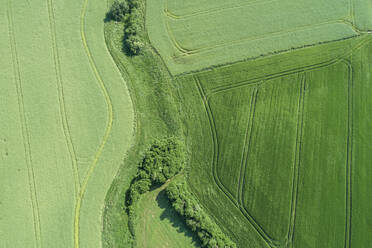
(297,182)
(361,169)
(279,146)
(156,117)
(321,208)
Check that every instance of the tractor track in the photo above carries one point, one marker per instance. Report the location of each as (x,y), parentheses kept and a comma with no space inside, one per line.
(270,76)
(61,99)
(216,178)
(349,158)
(189,52)
(205,99)
(108,128)
(173,16)
(25,131)
(297,160)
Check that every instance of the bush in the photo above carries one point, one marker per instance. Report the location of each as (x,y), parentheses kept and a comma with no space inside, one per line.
(129,13)
(134,44)
(186,205)
(119,10)
(162,161)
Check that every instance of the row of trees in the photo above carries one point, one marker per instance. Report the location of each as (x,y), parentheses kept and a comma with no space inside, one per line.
(196,218)
(129,13)
(164,160)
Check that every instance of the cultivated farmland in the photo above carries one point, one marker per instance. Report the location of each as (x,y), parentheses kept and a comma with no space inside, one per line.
(268,100)
(66,121)
(283,146)
(191,35)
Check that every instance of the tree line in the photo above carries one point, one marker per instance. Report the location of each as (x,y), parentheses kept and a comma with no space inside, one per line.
(196,218)
(163,160)
(128,12)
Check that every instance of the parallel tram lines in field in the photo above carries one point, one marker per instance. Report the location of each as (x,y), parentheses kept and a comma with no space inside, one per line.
(61,98)
(298,146)
(349,161)
(25,131)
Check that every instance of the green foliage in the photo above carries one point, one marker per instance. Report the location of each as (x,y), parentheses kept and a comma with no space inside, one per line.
(119,10)
(162,161)
(133,44)
(129,13)
(133,27)
(196,218)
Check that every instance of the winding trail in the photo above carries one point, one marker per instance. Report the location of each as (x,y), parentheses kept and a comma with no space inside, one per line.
(108,128)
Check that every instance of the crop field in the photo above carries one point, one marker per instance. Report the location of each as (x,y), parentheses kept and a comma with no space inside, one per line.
(270,98)
(66,121)
(191,35)
(283,153)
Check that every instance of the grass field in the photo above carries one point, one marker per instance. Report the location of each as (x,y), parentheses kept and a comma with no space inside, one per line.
(278,144)
(193,35)
(159,225)
(66,123)
(272,98)
(278,148)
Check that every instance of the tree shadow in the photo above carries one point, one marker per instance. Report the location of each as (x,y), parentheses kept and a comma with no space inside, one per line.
(175,219)
(107,18)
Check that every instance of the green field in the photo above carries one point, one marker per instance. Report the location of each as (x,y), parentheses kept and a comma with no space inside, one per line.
(272,99)
(281,150)
(159,225)
(196,34)
(66,121)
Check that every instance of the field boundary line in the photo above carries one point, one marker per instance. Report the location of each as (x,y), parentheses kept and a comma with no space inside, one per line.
(247,139)
(260,37)
(25,131)
(215,142)
(297,159)
(215,176)
(107,129)
(173,16)
(270,76)
(205,100)
(61,99)
(352,12)
(250,127)
(176,44)
(264,235)
(349,157)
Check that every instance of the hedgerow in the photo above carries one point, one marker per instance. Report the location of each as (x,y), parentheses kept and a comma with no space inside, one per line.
(196,218)
(129,13)
(162,161)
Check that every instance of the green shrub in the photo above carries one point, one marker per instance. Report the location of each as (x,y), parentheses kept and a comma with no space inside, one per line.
(186,205)
(128,12)
(119,10)
(162,161)
(133,44)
